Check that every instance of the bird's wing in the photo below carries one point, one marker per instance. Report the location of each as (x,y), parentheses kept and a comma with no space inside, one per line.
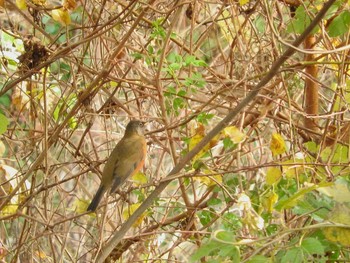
(130,159)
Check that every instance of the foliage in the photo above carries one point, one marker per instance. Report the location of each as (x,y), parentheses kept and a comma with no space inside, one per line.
(265,189)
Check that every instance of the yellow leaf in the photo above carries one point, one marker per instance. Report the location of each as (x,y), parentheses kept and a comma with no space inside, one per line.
(234,134)
(209,180)
(10,209)
(128,211)
(2,3)
(80,206)
(61,15)
(226,25)
(293,168)
(41,254)
(340,215)
(269,200)
(277,145)
(196,138)
(243,2)
(139,178)
(338,191)
(273,175)
(21,4)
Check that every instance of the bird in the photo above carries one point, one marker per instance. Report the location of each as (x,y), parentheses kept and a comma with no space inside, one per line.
(126,159)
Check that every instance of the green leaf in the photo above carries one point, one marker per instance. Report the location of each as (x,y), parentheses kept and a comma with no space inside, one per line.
(178,103)
(340,24)
(312,246)
(340,154)
(315,205)
(292,201)
(203,117)
(225,236)
(204,251)
(301,21)
(205,217)
(4,122)
(325,154)
(214,201)
(294,255)
(182,93)
(311,146)
(196,80)
(5,101)
(229,251)
(260,24)
(231,222)
(175,66)
(174,58)
(137,55)
(150,49)
(192,60)
(228,143)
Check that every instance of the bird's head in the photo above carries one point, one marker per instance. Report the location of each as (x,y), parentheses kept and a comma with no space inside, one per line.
(135,126)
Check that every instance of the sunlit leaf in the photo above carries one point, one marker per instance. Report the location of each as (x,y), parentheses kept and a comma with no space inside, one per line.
(294,168)
(273,175)
(340,215)
(21,4)
(61,15)
(228,23)
(269,200)
(234,134)
(4,122)
(9,209)
(209,180)
(139,178)
(196,138)
(277,145)
(339,191)
(243,2)
(128,211)
(311,146)
(40,254)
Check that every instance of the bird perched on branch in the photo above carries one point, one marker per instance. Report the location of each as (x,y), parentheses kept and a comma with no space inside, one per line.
(126,159)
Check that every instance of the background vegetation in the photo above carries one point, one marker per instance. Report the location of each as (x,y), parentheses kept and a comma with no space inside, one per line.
(273,186)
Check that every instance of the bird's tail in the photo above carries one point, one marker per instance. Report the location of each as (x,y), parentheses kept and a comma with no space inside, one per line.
(96,200)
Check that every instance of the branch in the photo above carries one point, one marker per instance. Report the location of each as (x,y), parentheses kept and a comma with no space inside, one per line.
(108,248)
